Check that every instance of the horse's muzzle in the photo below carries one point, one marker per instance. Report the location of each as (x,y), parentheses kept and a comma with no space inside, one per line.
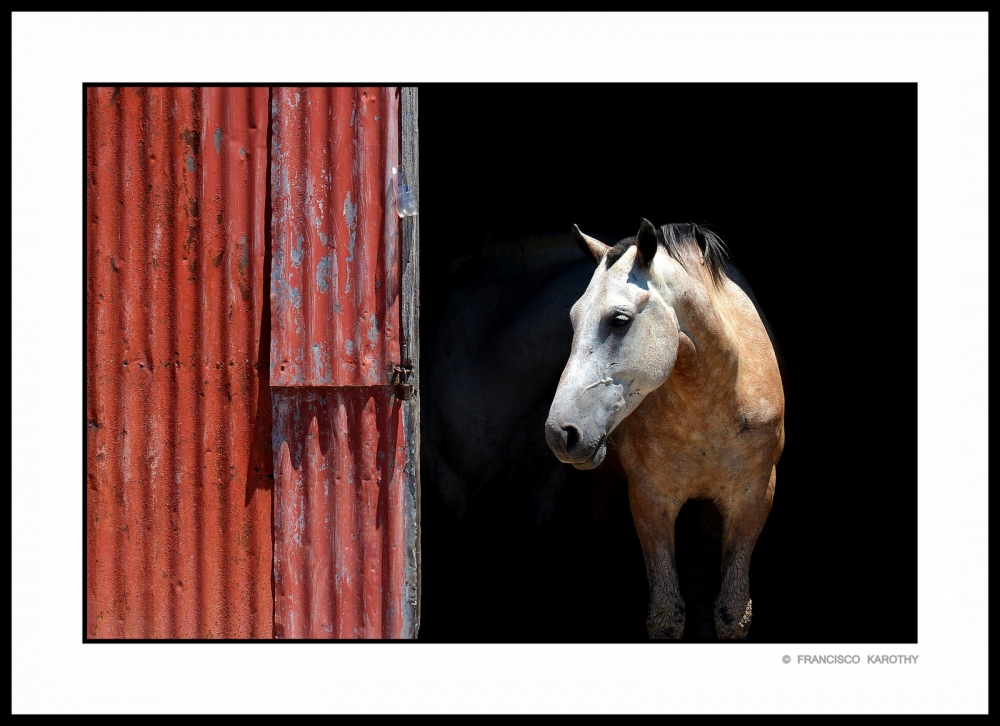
(571,446)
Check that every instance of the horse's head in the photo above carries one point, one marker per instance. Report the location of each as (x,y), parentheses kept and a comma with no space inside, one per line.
(625,341)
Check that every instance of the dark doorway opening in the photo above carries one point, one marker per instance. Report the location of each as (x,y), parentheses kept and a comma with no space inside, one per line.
(813,189)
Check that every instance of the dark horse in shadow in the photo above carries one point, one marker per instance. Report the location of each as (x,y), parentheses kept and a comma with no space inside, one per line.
(518,545)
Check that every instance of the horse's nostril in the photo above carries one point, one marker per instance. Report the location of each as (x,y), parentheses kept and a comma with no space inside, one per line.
(572,437)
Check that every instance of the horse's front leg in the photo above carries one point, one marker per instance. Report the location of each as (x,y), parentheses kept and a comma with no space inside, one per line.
(654,514)
(743,521)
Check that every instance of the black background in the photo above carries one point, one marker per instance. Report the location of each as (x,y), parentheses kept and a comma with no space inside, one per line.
(813,189)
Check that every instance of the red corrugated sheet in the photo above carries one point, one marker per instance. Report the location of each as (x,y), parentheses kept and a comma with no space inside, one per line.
(340,449)
(339,514)
(178,513)
(335,281)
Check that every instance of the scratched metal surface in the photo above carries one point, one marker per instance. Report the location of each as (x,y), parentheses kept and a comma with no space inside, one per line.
(340,448)
(335,279)
(178,527)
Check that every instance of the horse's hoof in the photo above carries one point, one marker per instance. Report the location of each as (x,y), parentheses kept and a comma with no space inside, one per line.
(666,625)
(664,633)
(730,627)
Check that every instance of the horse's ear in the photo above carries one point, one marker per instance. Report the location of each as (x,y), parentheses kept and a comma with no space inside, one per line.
(646,242)
(593,248)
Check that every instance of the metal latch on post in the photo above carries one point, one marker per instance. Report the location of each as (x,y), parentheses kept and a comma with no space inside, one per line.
(402,378)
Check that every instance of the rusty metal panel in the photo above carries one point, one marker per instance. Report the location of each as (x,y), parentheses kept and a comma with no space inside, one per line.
(343,436)
(339,514)
(178,418)
(335,280)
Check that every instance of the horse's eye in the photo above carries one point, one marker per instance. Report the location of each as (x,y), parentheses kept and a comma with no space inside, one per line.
(620,320)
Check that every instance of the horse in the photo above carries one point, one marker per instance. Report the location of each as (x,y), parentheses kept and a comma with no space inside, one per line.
(511,535)
(672,364)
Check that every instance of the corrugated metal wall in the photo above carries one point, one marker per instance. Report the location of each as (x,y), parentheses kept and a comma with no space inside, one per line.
(335,281)
(340,457)
(178,512)
(189,532)
(340,446)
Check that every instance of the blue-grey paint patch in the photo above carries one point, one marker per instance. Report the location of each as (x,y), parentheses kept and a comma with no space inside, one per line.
(295,298)
(319,367)
(349,346)
(323,273)
(351,122)
(217,138)
(296,251)
(281,185)
(243,152)
(275,178)
(286,188)
(279,287)
(190,164)
(337,308)
(350,213)
(243,254)
(324,239)
(373,330)
(351,217)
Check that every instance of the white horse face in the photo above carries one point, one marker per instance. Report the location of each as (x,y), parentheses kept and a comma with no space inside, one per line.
(625,339)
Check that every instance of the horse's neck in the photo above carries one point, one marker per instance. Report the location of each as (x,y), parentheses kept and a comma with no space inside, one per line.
(696,402)
(708,357)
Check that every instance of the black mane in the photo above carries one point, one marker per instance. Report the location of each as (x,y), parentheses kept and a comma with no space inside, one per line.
(673,237)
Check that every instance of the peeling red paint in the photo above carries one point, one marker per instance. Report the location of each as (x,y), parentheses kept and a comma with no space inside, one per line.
(184,537)
(339,440)
(335,280)
(339,515)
